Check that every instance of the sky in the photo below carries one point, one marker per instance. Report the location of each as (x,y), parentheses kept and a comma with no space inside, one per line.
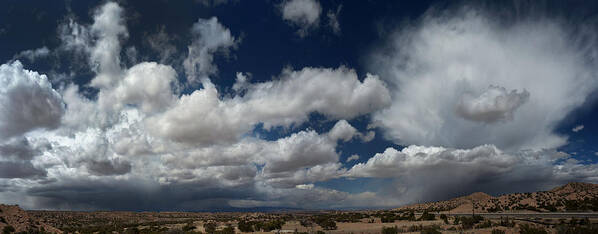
(222,105)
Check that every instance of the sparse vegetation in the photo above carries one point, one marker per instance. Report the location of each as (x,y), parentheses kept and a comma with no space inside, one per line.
(468,222)
(210,227)
(427,216)
(245,226)
(390,230)
(326,223)
(498,231)
(303,222)
(531,229)
(432,229)
(444,218)
(8,229)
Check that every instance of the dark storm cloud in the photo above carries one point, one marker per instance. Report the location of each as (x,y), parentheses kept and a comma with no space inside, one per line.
(109,167)
(111,194)
(19,149)
(20,170)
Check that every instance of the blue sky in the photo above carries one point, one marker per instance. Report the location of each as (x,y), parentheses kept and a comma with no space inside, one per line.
(224,105)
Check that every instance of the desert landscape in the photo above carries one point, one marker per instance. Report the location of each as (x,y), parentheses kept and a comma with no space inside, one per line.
(571,208)
(299,116)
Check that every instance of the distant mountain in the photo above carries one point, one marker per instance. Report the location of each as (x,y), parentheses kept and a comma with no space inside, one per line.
(14,219)
(574,196)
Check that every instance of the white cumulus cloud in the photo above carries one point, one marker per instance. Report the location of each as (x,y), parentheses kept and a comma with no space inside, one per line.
(209,119)
(27,101)
(462,78)
(209,37)
(304,14)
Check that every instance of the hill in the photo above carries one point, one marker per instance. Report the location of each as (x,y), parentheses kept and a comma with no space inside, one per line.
(14,219)
(574,196)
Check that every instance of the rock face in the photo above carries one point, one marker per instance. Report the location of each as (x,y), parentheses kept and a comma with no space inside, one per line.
(20,221)
(574,196)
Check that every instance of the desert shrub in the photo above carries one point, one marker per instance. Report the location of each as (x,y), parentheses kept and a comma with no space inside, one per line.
(390,230)
(498,231)
(227,230)
(8,229)
(493,209)
(432,229)
(548,207)
(245,226)
(468,222)
(188,227)
(415,228)
(584,221)
(320,232)
(388,218)
(573,221)
(210,227)
(563,229)
(2,220)
(505,222)
(445,218)
(427,216)
(485,224)
(327,224)
(133,230)
(531,229)
(410,216)
(272,225)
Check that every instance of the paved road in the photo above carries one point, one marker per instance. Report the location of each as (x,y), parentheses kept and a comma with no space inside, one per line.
(532,215)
